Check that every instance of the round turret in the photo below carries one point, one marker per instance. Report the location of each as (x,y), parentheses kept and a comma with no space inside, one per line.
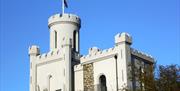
(64,18)
(64,26)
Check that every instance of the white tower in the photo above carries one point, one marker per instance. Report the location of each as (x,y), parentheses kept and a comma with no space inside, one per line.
(64,35)
(123,42)
(64,26)
(33,53)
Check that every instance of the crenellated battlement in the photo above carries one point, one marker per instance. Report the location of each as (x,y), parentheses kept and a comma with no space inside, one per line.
(50,55)
(34,50)
(123,37)
(142,55)
(78,67)
(64,18)
(95,52)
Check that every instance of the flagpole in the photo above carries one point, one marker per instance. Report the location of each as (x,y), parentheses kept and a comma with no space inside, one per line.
(62,6)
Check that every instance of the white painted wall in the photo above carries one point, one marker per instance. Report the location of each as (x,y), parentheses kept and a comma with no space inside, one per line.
(56,70)
(78,71)
(106,67)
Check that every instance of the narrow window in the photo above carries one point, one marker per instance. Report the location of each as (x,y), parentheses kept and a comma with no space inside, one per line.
(122,75)
(31,65)
(77,41)
(31,80)
(64,72)
(64,87)
(121,54)
(55,36)
(74,40)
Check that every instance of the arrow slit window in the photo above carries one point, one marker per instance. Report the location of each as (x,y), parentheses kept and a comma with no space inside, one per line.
(55,36)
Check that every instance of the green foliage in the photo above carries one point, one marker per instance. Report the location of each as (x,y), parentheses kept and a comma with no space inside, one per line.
(167,79)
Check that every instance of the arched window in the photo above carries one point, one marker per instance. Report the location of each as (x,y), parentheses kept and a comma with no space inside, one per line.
(55,39)
(102,80)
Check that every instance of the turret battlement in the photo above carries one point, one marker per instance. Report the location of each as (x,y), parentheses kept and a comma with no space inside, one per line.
(64,18)
(123,37)
(34,50)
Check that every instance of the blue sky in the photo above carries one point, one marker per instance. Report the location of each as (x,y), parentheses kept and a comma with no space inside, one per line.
(153,24)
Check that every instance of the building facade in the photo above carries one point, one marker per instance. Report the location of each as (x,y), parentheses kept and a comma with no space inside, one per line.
(63,68)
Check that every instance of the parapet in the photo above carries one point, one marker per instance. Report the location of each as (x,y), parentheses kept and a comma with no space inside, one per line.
(123,37)
(34,50)
(94,53)
(142,55)
(93,50)
(49,56)
(64,18)
(78,67)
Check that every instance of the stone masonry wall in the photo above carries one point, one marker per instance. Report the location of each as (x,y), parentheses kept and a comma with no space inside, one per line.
(88,77)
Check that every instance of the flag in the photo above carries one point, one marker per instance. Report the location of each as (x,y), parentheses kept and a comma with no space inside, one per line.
(65,3)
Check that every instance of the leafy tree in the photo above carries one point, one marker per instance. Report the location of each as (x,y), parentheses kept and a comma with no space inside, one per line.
(168,78)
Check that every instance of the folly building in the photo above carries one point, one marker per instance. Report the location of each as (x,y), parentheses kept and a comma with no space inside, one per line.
(63,68)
